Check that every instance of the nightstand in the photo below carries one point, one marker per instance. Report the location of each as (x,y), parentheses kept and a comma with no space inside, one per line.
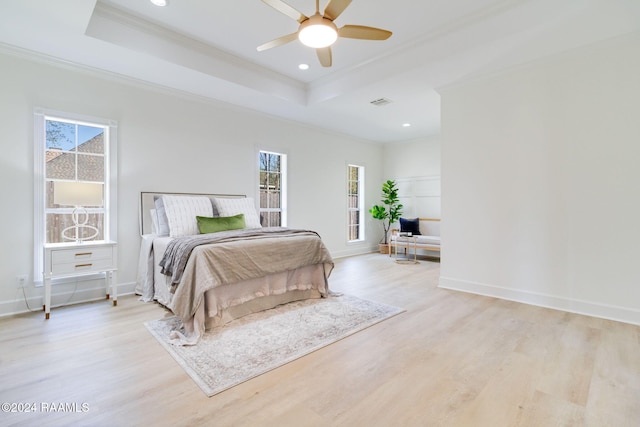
(79,259)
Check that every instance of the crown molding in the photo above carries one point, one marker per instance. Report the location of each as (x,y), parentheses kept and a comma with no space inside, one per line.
(118,27)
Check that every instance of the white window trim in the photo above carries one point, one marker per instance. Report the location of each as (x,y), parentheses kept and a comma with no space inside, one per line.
(284,182)
(361,171)
(110,191)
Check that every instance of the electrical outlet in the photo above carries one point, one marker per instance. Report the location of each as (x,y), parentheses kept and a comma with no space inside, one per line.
(21,280)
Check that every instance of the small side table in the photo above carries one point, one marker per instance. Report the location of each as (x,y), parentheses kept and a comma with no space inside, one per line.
(76,260)
(409,243)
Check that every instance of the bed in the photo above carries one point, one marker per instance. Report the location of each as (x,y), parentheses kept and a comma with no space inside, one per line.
(209,278)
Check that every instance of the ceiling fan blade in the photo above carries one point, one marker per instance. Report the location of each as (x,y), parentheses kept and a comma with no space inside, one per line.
(364,33)
(324,55)
(282,7)
(335,8)
(278,42)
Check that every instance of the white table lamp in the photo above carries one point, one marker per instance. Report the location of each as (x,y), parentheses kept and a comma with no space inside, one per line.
(78,194)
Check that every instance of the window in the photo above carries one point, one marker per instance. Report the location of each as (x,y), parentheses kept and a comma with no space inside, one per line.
(355,194)
(72,150)
(273,206)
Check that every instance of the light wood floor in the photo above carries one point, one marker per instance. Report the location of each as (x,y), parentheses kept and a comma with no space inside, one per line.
(452,359)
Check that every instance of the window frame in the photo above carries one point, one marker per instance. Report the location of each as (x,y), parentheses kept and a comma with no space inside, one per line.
(283,185)
(40,117)
(360,205)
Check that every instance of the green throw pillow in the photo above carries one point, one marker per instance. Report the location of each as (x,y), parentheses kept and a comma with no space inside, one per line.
(221,223)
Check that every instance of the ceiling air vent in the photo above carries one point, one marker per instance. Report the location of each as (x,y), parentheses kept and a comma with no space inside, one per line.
(380,102)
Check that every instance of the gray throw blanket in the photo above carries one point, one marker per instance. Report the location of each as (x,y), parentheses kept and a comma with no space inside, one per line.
(178,251)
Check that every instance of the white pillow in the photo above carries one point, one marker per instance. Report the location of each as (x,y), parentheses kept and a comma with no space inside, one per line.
(182,211)
(154,221)
(246,206)
(162,224)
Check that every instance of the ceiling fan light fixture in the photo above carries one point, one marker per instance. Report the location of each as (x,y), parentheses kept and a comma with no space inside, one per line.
(318,32)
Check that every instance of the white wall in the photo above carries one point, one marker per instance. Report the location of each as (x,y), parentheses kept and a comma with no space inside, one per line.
(541,182)
(415,166)
(420,196)
(166,142)
(416,157)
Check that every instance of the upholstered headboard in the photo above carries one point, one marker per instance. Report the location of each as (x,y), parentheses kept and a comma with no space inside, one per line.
(147,203)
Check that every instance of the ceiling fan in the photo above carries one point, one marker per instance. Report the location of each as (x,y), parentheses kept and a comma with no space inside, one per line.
(318,31)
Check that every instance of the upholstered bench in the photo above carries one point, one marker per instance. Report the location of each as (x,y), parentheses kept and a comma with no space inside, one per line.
(426,232)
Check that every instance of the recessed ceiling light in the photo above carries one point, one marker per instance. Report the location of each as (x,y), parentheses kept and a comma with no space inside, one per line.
(406,125)
(303,66)
(161,3)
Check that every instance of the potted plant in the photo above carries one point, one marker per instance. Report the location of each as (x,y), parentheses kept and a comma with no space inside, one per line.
(389,212)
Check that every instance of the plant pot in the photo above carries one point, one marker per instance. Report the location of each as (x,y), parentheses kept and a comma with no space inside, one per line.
(384,249)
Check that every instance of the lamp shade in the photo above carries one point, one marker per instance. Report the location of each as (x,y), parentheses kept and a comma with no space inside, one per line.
(77,193)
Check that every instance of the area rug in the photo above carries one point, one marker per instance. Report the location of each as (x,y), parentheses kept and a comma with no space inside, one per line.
(257,343)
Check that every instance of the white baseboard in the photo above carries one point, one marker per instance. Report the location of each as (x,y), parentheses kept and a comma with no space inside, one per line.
(604,311)
(360,250)
(33,299)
